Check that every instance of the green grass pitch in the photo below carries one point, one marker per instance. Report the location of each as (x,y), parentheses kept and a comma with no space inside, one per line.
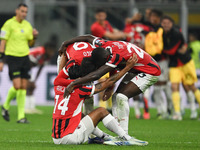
(161,134)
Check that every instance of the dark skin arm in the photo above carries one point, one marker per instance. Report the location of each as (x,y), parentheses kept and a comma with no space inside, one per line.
(84,38)
(110,81)
(114,78)
(90,77)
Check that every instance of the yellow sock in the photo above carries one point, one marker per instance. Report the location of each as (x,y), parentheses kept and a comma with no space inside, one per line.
(21,96)
(197,96)
(11,95)
(176,101)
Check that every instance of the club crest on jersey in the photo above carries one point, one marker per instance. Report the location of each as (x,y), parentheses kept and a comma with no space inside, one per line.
(22,31)
(60,88)
(89,86)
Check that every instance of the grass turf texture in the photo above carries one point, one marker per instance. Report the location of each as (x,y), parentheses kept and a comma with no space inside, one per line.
(161,134)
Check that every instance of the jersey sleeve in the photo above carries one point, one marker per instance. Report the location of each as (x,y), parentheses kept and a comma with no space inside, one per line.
(115,60)
(5,31)
(86,91)
(62,79)
(30,32)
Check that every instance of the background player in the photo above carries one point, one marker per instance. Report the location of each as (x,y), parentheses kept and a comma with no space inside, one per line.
(182,67)
(39,56)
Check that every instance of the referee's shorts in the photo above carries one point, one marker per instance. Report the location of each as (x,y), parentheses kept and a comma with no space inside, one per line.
(19,67)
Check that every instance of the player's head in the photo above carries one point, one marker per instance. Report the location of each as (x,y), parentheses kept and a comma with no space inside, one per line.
(99,56)
(87,66)
(167,23)
(21,11)
(100,15)
(155,16)
(74,72)
(193,36)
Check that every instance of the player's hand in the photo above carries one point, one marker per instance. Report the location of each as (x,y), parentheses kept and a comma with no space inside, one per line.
(62,48)
(1,66)
(99,42)
(183,49)
(131,61)
(68,90)
(107,94)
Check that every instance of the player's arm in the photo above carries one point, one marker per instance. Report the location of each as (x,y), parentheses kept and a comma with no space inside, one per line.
(35,34)
(114,78)
(88,78)
(61,62)
(2,49)
(85,38)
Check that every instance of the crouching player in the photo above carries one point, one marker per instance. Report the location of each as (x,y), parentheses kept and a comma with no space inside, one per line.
(69,128)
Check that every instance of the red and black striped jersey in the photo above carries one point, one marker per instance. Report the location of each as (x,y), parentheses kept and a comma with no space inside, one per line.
(121,51)
(76,52)
(67,111)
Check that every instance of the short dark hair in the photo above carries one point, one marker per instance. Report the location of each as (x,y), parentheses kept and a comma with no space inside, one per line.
(99,56)
(87,66)
(74,72)
(98,10)
(157,12)
(168,18)
(22,4)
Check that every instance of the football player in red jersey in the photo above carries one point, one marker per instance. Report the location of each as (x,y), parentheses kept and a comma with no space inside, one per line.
(39,56)
(144,73)
(74,55)
(69,128)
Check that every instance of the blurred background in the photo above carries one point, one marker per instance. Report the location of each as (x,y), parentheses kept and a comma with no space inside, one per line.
(60,20)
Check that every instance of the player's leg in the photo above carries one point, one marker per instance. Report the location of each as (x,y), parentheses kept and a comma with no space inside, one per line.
(191,100)
(176,76)
(137,85)
(168,94)
(146,114)
(114,101)
(190,77)
(89,105)
(158,98)
(21,94)
(111,123)
(136,105)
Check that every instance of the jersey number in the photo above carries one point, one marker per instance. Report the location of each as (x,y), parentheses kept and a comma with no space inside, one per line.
(81,45)
(138,50)
(62,105)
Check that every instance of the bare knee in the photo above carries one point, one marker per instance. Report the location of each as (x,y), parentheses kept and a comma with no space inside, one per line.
(17,86)
(102,112)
